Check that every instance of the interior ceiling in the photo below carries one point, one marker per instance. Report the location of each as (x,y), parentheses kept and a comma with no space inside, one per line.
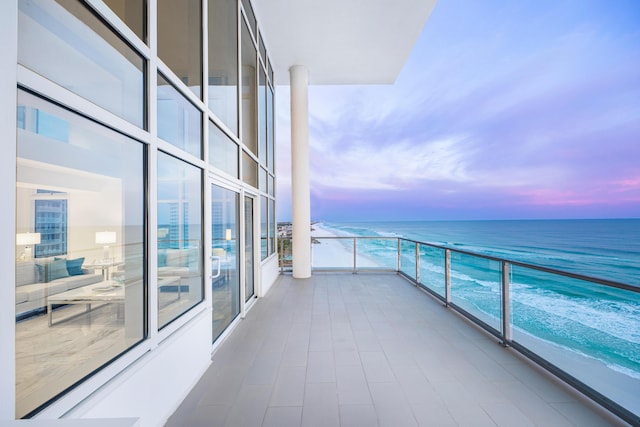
(341,41)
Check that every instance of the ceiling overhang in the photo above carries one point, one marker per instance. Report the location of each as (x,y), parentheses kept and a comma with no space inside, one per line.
(341,41)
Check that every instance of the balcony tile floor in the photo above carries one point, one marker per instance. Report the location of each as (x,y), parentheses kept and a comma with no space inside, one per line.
(372,350)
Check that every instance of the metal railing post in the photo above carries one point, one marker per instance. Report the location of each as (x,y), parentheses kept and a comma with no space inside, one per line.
(355,256)
(399,257)
(447,277)
(506,306)
(417,263)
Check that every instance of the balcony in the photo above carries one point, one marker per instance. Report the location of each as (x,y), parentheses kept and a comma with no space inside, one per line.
(373,349)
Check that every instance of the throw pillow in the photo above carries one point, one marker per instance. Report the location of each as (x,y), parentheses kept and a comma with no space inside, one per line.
(57,269)
(74,266)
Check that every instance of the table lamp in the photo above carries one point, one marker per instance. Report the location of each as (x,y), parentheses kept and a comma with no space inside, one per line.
(105,238)
(26,240)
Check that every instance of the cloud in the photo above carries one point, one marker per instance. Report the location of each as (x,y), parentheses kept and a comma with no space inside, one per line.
(502,106)
(370,167)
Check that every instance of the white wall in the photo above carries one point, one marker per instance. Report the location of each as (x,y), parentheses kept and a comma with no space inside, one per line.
(270,273)
(153,387)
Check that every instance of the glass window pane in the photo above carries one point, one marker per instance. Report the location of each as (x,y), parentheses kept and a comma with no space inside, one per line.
(249,137)
(224,249)
(251,17)
(223,151)
(272,186)
(262,116)
(262,178)
(249,170)
(180,285)
(270,132)
(263,49)
(97,64)
(180,40)
(179,121)
(271,74)
(133,13)
(272,226)
(263,228)
(87,182)
(223,62)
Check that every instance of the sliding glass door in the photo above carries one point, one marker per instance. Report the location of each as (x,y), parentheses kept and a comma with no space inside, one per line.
(225,281)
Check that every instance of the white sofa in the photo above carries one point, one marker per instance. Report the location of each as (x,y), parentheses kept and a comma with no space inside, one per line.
(34,282)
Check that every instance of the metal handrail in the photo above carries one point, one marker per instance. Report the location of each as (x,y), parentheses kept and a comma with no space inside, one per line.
(600,281)
(504,334)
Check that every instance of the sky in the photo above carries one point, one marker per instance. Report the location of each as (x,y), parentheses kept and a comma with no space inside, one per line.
(504,110)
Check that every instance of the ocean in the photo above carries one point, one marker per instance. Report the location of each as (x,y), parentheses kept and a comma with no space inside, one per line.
(592,322)
(604,248)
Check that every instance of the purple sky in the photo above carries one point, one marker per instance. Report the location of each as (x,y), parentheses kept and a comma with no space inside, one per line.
(519,109)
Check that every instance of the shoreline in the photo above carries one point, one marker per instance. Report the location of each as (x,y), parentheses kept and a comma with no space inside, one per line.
(332,253)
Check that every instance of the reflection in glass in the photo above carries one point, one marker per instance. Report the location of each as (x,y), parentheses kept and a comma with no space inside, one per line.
(180,40)
(223,151)
(248,137)
(78,310)
(180,285)
(249,170)
(271,74)
(97,64)
(270,132)
(263,49)
(248,248)
(272,226)
(224,251)
(262,116)
(262,179)
(251,17)
(272,185)
(179,121)
(223,62)
(263,228)
(133,13)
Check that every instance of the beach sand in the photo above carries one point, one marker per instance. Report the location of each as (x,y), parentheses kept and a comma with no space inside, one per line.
(336,253)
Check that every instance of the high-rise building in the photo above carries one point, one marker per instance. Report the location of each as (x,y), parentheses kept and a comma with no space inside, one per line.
(142,220)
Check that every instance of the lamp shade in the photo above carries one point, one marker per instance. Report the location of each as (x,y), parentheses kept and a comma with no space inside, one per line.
(227,234)
(28,239)
(105,237)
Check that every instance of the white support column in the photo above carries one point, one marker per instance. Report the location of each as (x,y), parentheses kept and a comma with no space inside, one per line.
(301,197)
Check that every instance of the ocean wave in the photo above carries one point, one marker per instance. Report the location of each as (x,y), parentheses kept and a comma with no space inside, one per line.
(619,319)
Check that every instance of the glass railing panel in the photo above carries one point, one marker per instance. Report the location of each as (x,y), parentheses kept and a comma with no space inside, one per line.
(332,253)
(476,287)
(432,268)
(377,254)
(285,255)
(588,330)
(408,258)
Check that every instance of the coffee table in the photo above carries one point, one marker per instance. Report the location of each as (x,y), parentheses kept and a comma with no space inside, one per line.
(108,291)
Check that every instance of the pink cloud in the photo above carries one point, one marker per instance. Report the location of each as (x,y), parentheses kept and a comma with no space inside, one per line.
(627,184)
(551,197)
